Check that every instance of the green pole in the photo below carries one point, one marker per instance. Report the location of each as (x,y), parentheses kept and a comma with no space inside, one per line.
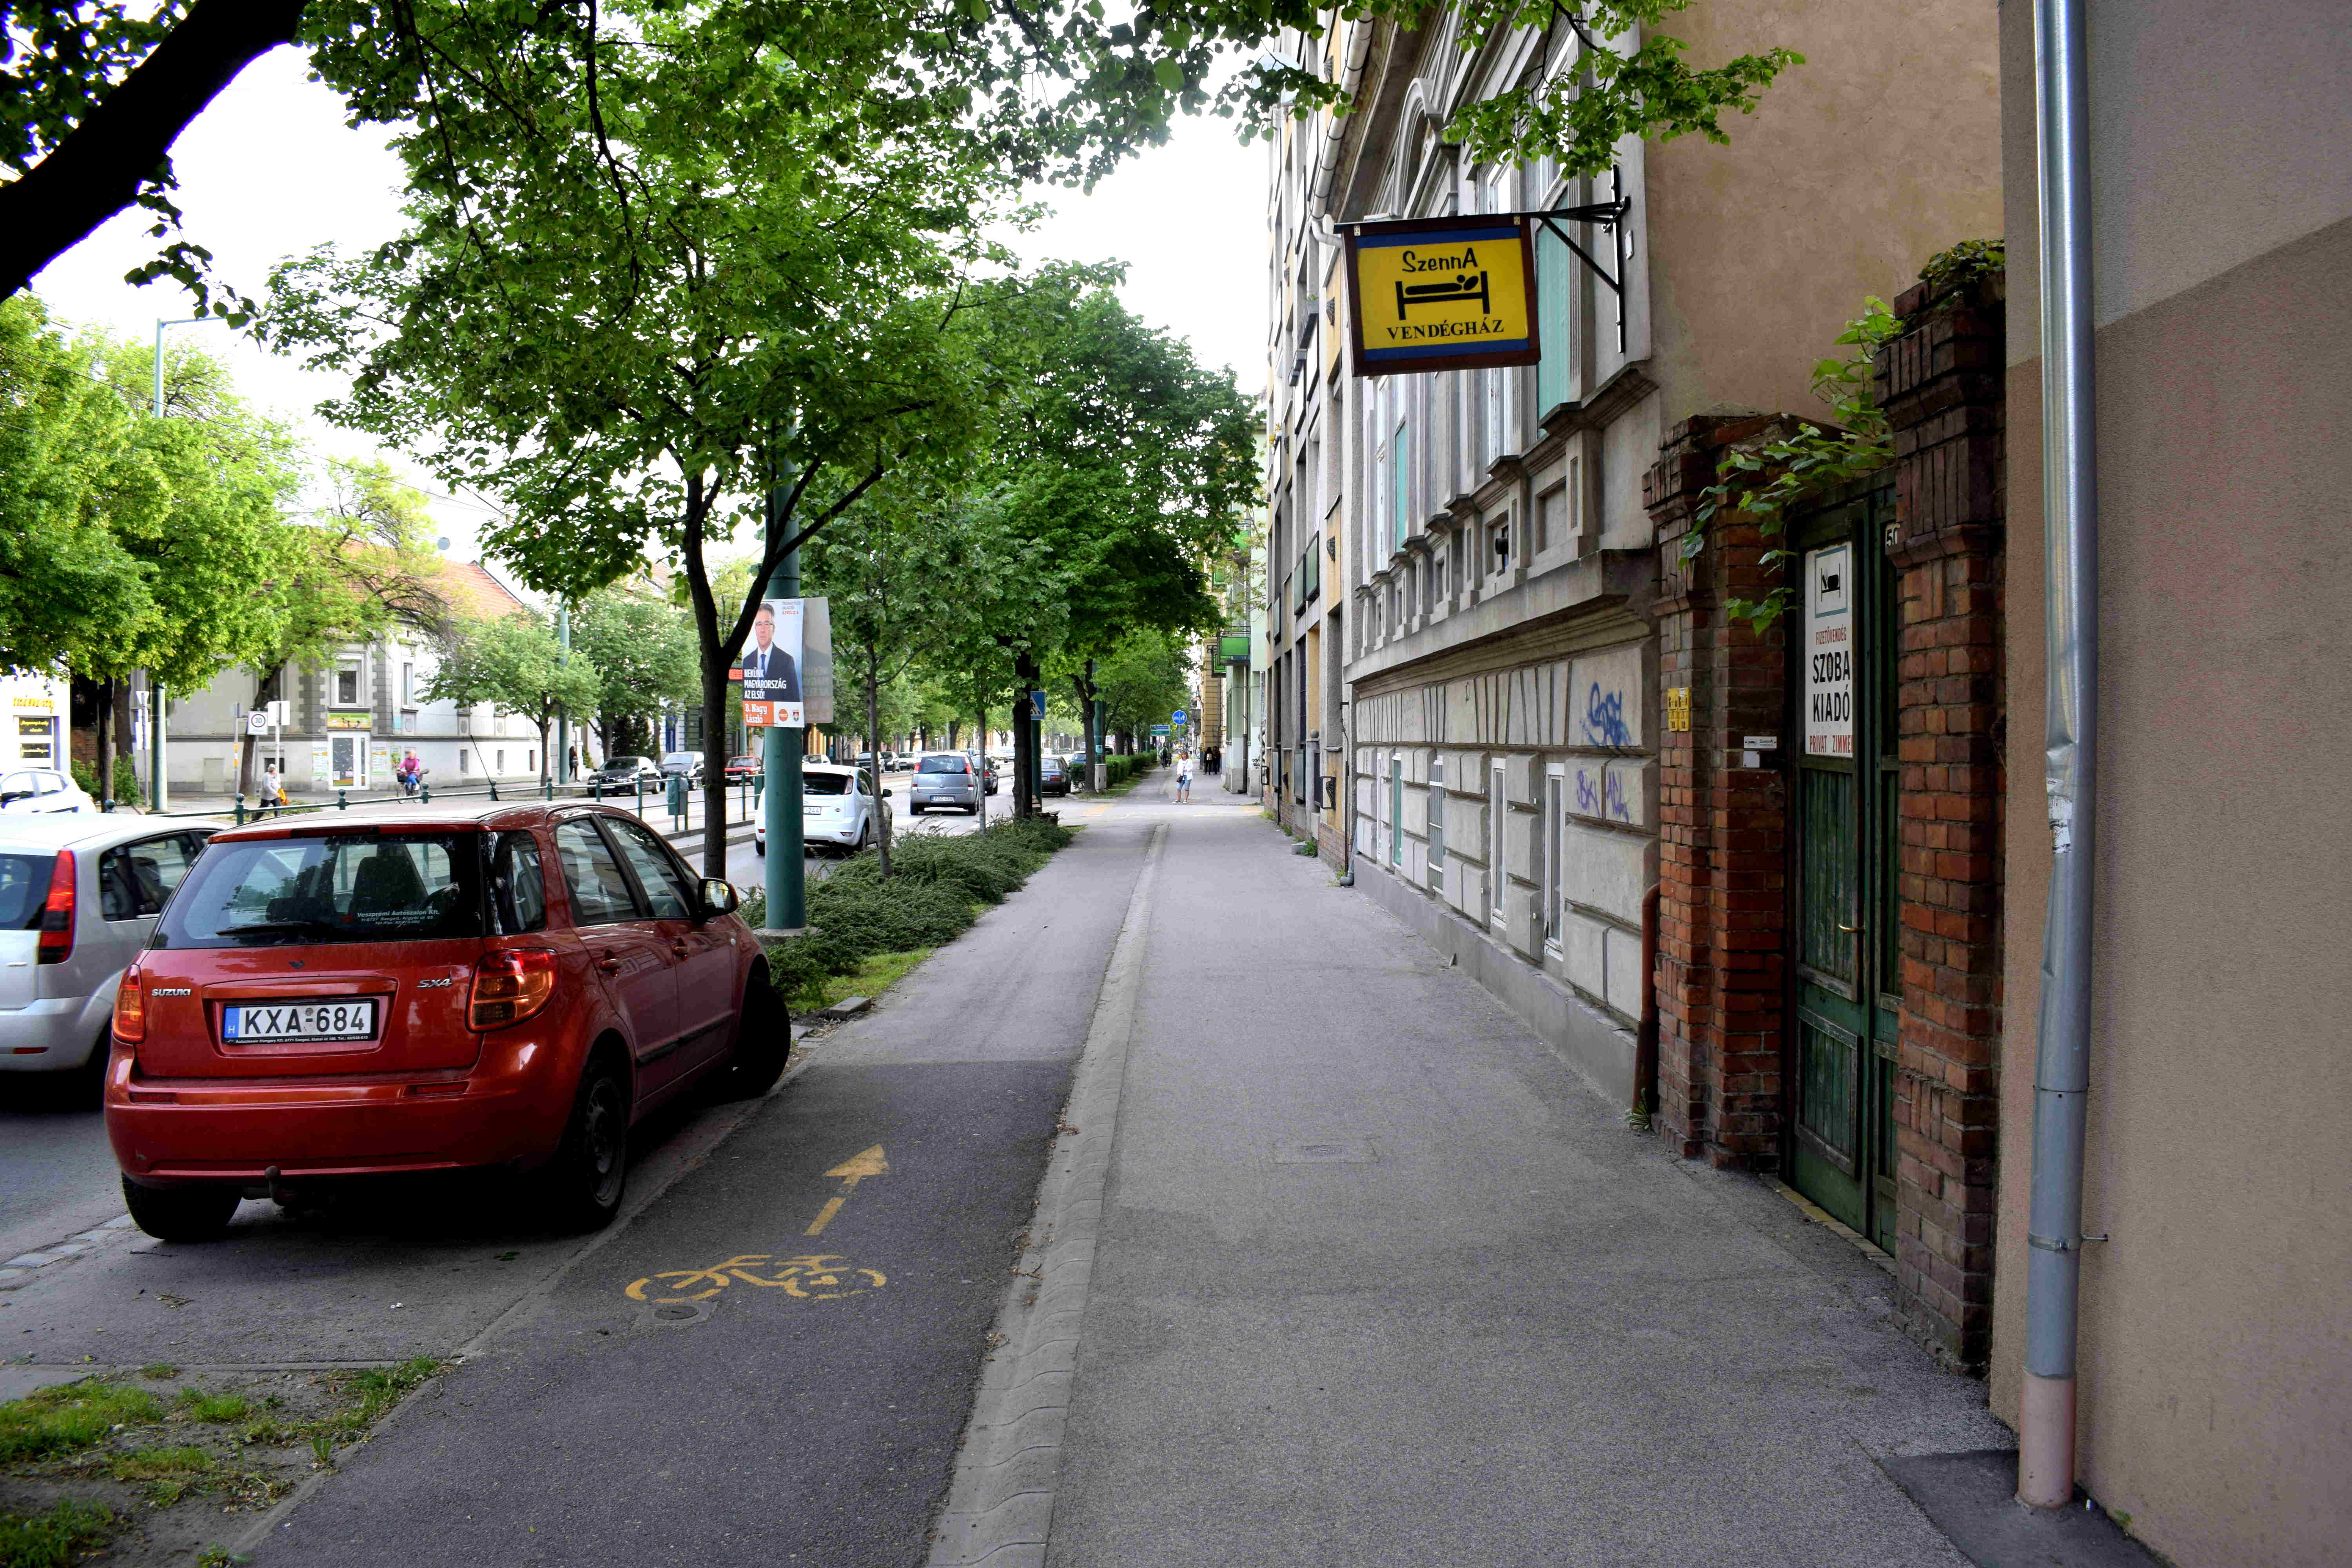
(562,769)
(787,868)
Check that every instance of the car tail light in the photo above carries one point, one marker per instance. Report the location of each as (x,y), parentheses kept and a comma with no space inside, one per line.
(509,985)
(131,1008)
(57,912)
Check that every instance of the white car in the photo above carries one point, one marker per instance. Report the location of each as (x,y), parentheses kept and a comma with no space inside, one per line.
(836,813)
(41,790)
(78,897)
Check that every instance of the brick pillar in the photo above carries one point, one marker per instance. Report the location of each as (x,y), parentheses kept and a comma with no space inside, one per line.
(1723,828)
(1941,385)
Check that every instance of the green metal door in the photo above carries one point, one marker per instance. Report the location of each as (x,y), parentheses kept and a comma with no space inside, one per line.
(1842,1044)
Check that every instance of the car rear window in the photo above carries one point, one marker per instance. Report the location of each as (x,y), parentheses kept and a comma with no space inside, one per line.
(329,887)
(23,889)
(824,784)
(943,764)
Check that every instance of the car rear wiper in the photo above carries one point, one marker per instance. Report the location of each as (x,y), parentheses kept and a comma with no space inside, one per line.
(260,926)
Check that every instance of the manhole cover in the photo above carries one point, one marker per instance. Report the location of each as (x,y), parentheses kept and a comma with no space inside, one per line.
(1325,1152)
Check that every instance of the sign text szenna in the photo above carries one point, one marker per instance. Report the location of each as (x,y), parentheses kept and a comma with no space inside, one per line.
(1441,294)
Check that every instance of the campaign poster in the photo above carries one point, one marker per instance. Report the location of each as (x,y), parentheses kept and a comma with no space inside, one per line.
(787,666)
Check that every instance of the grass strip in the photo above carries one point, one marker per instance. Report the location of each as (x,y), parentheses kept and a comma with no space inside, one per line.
(71,1415)
(55,1536)
(938,885)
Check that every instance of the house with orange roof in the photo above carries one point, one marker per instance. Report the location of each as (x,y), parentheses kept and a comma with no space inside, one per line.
(354,716)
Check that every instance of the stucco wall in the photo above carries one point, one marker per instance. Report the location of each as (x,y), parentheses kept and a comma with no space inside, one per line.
(2216,1364)
(1878,151)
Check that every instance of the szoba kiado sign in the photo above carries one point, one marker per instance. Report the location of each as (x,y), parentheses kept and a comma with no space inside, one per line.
(1446,293)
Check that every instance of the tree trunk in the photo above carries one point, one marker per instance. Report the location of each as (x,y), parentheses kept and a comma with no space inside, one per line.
(95,169)
(874,749)
(105,742)
(714,765)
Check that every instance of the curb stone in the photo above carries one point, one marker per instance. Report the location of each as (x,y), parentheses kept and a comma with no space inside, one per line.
(1000,1505)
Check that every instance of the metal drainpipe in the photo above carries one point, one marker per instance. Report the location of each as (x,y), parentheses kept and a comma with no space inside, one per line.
(1359,50)
(2045,1428)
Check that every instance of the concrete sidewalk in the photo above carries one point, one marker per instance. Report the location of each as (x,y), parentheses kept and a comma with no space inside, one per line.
(1378,1280)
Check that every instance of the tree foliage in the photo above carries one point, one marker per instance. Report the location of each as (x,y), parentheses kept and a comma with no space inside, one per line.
(514,662)
(642,650)
(95,92)
(127,540)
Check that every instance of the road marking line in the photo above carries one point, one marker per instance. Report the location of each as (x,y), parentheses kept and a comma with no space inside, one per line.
(994,1505)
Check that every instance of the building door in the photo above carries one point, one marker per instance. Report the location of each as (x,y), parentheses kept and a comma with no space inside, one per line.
(1842,1046)
(347,761)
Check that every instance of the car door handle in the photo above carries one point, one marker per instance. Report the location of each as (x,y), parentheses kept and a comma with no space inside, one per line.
(609,966)
(678,948)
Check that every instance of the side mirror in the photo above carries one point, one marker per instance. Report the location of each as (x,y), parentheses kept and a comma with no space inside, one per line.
(718,897)
(886,794)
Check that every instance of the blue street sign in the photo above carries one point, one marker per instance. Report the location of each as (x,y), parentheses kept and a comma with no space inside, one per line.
(1036,705)
(1180,716)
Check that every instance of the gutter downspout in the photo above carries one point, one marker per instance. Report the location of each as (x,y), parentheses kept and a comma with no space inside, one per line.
(2061,1078)
(1359,50)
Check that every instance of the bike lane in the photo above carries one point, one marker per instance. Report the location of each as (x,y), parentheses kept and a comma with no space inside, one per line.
(800,1411)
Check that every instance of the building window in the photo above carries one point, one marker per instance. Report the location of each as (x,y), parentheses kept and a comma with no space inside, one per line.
(1549,831)
(347,685)
(1396,808)
(408,683)
(1497,803)
(1437,822)
(465,761)
(1552,516)
(502,760)
(1401,502)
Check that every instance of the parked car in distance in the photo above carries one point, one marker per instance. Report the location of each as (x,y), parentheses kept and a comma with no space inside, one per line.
(834,814)
(981,770)
(388,993)
(625,771)
(1053,777)
(41,792)
(688,763)
(942,779)
(744,769)
(78,896)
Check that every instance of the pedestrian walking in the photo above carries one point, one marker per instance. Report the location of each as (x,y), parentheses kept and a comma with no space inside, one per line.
(1184,777)
(273,793)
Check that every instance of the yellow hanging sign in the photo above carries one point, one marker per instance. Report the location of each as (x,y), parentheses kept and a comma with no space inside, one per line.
(1441,294)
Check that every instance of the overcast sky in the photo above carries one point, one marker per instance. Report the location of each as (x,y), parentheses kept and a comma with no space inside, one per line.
(270,170)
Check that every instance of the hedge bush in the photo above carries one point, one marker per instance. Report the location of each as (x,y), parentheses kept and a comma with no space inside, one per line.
(936,888)
(1123,768)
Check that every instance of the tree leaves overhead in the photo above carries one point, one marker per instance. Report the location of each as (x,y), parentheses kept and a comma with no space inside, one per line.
(129,541)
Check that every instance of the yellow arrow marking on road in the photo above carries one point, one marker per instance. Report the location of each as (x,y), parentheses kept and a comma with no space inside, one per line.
(851,1172)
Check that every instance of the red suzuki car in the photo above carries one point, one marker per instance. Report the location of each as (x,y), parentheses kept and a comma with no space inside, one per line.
(364,993)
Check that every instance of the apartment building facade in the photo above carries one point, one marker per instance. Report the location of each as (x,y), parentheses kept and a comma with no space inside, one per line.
(1472,550)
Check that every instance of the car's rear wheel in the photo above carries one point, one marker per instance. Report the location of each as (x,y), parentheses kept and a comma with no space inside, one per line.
(759,847)
(914,811)
(582,1185)
(763,1038)
(180,1213)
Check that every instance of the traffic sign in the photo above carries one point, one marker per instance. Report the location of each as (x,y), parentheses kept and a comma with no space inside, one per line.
(1179,716)
(1160,729)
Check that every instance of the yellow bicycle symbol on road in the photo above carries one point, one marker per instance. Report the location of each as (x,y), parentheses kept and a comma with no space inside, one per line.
(815,1277)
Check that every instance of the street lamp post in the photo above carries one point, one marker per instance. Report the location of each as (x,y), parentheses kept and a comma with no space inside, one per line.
(159,789)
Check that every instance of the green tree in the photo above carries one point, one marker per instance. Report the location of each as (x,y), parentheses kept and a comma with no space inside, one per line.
(647,331)
(361,562)
(644,650)
(95,93)
(1147,676)
(516,663)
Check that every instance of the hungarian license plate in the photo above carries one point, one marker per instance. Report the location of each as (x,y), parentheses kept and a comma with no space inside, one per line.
(353,1019)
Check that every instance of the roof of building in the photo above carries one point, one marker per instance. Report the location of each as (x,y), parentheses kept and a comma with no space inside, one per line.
(470,590)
